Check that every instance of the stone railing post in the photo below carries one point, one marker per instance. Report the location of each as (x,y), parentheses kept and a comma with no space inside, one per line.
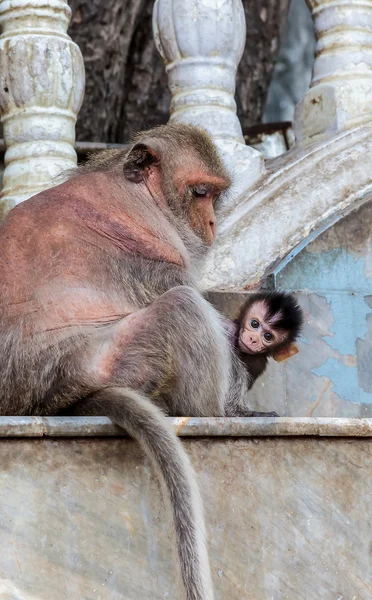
(41,90)
(340,96)
(201,44)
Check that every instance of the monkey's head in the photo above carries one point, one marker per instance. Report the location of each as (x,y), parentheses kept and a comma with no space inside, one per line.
(179,167)
(269,323)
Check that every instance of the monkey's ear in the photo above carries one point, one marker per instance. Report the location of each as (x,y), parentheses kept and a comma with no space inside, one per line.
(285,352)
(139,158)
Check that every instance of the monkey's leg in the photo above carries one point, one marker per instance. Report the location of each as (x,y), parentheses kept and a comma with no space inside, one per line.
(237,401)
(175,344)
(175,351)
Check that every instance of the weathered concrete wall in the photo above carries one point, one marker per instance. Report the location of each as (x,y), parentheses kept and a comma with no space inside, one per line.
(332,375)
(84,519)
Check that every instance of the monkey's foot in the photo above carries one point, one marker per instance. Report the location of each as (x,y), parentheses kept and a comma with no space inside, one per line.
(263,414)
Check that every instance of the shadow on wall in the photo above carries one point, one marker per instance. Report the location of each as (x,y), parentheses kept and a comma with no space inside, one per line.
(292,72)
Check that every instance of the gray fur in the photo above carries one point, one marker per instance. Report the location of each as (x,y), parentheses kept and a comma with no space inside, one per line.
(132,338)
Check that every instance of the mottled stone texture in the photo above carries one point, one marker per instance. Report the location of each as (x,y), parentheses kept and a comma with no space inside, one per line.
(332,375)
(287,519)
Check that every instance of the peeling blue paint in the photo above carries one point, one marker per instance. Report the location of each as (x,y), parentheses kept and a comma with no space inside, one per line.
(332,270)
(349,321)
(345,381)
(340,278)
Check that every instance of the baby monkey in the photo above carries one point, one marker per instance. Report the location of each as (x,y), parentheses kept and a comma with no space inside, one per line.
(268,325)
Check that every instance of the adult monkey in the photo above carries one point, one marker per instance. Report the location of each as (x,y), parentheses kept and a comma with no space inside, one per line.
(100,313)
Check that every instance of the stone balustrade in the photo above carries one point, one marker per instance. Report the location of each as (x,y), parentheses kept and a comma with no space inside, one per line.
(276,206)
(274,210)
(201,44)
(41,90)
(340,95)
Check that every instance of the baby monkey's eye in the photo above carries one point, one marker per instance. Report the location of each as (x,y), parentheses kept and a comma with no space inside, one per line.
(255,324)
(268,336)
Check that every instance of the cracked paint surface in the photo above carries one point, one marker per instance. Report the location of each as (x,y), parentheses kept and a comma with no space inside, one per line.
(331,376)
(333,277)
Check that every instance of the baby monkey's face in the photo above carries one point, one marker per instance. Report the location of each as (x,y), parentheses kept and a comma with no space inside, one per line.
(258,334)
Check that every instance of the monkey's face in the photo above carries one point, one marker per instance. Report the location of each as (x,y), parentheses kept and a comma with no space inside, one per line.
(194,203)
(257,335)
(182,173)
(201,215)
(199,191)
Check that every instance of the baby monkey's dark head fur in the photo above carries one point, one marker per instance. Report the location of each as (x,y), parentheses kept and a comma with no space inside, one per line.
(267,325)
(281,313)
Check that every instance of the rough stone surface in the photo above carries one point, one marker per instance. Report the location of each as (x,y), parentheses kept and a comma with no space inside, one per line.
(212,427)
(41,90)
(304,192)
(332,277)
(340,93)
(286,519)
(333,274)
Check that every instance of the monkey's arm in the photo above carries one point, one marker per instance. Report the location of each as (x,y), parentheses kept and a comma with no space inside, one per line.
(255,365)
(232,330)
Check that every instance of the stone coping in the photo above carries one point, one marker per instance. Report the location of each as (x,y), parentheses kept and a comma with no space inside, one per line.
(35,427)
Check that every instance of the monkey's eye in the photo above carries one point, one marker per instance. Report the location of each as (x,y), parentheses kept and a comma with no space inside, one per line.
(200,191)
(268,336)
(255,324)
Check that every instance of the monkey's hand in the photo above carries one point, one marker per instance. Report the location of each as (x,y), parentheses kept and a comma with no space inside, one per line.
(238,411)
(253,413)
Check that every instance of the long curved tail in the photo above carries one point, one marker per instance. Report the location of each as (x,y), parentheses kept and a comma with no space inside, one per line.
(146,423)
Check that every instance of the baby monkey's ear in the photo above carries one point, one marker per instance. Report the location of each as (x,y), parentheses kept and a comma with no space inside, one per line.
(285,352)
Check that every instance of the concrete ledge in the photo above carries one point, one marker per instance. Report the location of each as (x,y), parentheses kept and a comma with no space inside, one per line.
(288,515)
(33,427)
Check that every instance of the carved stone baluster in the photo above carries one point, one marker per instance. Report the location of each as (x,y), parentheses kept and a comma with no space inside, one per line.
(41,90)
(201,43)
(340,96)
